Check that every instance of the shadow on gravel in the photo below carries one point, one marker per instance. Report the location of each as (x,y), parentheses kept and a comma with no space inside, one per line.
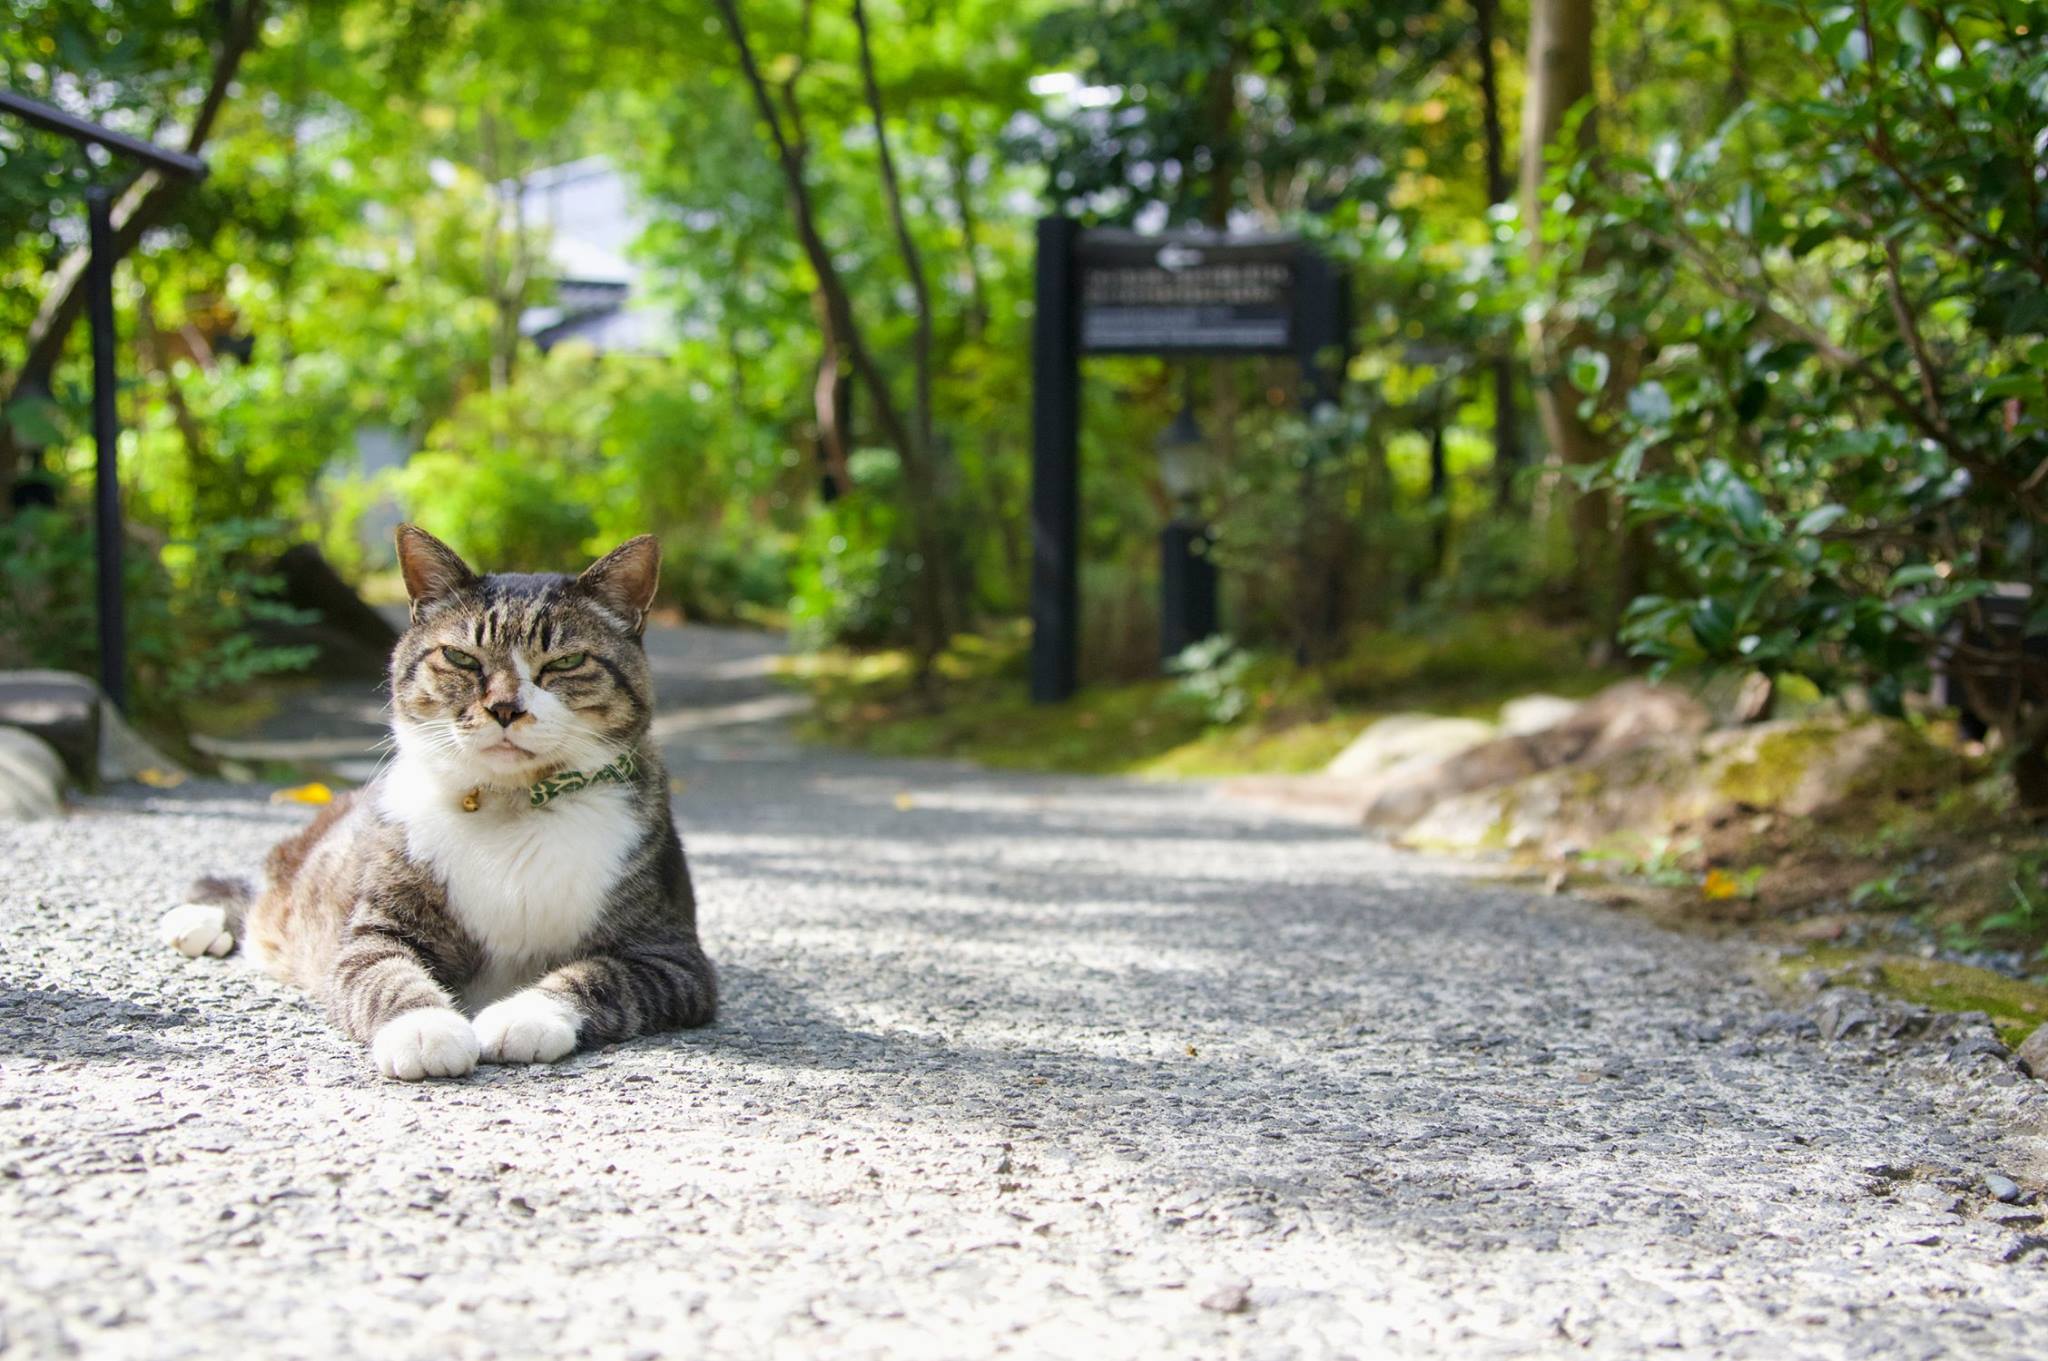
(55,1023)
(768,1021)
(864,808)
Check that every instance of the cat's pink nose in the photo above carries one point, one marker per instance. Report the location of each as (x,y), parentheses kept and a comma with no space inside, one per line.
(505,712)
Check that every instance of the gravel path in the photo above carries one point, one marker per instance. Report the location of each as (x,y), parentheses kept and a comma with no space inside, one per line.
(1008,1066)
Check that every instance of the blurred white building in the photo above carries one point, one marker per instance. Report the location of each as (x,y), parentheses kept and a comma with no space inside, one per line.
(588,219)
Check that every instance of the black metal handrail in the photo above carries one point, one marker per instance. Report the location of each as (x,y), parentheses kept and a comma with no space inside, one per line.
(53,119)
(99,303)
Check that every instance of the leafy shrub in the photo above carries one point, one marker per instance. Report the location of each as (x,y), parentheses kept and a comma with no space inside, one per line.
(851,579)
(580,452)
(188,606)
(1833,315)
(1214,673)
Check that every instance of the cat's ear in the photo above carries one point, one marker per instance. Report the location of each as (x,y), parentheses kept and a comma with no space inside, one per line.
(624,579)
(432,569)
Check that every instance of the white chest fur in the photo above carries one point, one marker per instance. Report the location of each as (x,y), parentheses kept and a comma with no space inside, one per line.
(527,883)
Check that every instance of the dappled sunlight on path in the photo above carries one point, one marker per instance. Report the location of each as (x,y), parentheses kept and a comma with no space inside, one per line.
(1007,1063)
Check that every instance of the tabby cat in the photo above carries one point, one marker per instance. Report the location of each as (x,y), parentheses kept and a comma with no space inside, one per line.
(510,885)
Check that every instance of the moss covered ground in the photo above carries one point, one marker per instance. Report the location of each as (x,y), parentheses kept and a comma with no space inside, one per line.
(2017,1007)
(1291,719)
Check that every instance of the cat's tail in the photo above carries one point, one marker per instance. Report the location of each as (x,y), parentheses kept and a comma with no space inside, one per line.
(210,919)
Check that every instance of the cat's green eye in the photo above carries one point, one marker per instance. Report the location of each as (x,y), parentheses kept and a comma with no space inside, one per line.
(457,657)
(567,662)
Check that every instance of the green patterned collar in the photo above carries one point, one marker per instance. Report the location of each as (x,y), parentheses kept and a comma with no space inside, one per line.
(543,792)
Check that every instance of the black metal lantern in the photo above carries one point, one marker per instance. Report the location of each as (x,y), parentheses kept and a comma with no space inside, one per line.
(1187,572)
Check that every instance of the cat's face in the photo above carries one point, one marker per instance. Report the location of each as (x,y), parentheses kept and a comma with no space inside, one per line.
(503,679)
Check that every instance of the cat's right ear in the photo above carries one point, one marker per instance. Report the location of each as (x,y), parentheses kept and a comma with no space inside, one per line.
(432,569)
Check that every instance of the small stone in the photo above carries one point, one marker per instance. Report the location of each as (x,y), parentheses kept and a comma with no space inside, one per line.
(2003,1189)
(1235,1298)
(1970,1046)
(2033,1052)
(1843,1017)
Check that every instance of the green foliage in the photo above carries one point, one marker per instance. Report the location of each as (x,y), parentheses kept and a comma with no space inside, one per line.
(1213,673)
(191,606)
(1828,319)
(850,578)
(2027,915)
(1662,864)
(1203,104)
(580,452)
(1886,893)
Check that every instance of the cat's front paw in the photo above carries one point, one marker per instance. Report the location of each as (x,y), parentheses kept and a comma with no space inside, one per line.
(196,929)
(429,1042)
(528,1027)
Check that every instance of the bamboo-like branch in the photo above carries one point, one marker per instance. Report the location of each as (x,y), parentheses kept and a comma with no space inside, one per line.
(1902,312)
(906,244)
(845,329)
(933,610)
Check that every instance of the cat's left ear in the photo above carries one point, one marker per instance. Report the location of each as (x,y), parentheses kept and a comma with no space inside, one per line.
(624,579)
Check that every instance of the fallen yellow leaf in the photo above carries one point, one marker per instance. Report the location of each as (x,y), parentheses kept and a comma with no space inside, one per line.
(904,803)
(157,778)
(1719,884)
(304,793)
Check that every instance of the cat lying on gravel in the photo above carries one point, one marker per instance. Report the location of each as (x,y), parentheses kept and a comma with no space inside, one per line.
(516,855)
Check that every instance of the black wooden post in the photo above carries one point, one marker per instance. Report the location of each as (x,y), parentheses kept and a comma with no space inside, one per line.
(1187,587)
(1322,324)
(107,534)
(1055,467)
(1186,294)
(1322,310)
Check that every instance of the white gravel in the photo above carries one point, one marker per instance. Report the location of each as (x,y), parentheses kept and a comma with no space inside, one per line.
(1009,1066)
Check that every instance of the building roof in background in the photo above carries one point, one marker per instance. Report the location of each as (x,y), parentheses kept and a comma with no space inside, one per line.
(591,219)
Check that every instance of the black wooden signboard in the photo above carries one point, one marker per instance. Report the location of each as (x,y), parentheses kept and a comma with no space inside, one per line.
(1186,295)
(1102,291)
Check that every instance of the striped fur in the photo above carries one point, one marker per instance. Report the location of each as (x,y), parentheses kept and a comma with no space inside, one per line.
(563,926)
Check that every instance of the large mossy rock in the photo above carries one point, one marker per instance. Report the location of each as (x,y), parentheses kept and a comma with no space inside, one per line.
(1620,719)
(61,708)
(70,713)
(1802,768)
(1406,740)
(31,776)
(1535,712)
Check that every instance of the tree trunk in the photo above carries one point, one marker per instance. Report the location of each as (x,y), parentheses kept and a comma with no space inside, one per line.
(1560,76)
(939,580)
(1507,430)
(2030,780)
(920,486)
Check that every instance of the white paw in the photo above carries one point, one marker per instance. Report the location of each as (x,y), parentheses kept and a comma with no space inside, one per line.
(430,1042)
(528,1027)
(195,929)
